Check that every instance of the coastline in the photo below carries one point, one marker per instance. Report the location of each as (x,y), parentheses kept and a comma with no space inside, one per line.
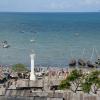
(23,90)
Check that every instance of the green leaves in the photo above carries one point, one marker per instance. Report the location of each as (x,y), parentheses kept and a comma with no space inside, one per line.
(73,80)
(19,68)
(75,74)
(91,82)
(64,84)
(87,82)
(86,87)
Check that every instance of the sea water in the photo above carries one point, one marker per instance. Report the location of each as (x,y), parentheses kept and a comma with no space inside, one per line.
(55,38)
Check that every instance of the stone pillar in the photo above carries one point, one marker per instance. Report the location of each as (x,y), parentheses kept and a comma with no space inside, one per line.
(32,74)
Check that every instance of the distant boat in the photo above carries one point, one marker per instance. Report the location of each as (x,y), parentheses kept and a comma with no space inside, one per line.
(72,62)
(98,61)
(81,62)
(5,42)
(22,31)
(89,64)
(32,40)
(6,46)
(76,34)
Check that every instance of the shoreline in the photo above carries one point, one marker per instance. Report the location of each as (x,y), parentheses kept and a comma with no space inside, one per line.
(42,86)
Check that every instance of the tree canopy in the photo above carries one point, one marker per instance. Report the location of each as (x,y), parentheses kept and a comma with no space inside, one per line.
(19,68)
(87,82)
(91,82)
(73,81)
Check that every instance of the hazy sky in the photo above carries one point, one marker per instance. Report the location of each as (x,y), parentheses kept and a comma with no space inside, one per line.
(49,5)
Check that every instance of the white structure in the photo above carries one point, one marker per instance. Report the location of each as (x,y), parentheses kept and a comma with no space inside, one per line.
(32,74)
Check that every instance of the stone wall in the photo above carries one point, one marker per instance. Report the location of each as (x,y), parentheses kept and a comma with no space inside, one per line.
(50,95)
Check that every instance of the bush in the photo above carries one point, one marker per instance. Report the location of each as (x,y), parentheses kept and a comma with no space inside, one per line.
(86,82)
(73,81)
(19,68)
(92,82)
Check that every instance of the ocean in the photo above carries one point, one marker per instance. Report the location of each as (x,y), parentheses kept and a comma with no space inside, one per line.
(55,38)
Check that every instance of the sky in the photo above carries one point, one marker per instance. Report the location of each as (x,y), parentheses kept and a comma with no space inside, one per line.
(49,5)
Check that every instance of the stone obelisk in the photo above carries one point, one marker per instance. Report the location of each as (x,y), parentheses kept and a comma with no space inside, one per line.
(32,74)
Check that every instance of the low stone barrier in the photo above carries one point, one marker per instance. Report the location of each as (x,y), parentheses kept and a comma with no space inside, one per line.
(80,96)
(57,95)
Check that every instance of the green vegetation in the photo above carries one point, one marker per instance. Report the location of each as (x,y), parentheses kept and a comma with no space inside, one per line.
(91,82)
(76,80)
(73,81)
(65,85)
(19,68)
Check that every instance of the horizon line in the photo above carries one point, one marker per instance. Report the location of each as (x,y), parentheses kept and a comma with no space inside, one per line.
(49,11)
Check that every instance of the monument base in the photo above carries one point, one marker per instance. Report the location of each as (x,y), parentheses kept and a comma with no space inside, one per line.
(32,77)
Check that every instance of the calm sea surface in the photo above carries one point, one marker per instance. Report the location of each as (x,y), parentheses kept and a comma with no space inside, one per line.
(54,37)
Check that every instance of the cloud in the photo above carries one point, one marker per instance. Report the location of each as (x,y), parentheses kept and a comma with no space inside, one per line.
(60,5)
(90,2)
(54,5)
(49,5)
(73,5)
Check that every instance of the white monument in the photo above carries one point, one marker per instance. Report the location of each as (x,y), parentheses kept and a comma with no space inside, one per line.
(32,74)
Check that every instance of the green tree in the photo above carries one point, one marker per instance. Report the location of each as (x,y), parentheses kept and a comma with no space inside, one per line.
(91,83)
(86,85)
(73,81)
(64,84)
(19,68)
